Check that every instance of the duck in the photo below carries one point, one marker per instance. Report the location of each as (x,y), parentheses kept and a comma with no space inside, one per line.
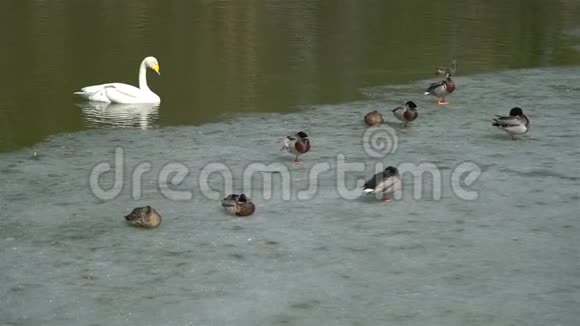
(374,119)
(406,113)
(442,89)
(386,183)
(238,205)
(144,217)
(297,144)
(442,70)
(517,123)
(124,93)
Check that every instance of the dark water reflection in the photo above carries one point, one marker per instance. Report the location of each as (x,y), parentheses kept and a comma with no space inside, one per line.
(219,57)
(103,115)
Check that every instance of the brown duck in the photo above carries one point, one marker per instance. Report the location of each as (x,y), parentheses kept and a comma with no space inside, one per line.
(144,217)
(374,119)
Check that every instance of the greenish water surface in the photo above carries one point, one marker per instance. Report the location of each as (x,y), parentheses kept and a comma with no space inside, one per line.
(222,57)
(238,76)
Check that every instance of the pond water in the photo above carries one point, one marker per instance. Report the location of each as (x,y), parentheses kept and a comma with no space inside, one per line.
(501,248)
(508,257)
(224,57)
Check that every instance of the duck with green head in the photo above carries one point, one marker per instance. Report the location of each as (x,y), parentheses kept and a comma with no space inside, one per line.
(517,123)
(406,113)
(385,183)
(297,144)
(442,89)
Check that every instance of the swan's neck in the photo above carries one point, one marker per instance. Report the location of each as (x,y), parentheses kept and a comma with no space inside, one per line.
(143,77)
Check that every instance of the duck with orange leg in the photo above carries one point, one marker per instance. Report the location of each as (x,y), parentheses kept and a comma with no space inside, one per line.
(442,89)
(406,113)
(297,144)
(386,183)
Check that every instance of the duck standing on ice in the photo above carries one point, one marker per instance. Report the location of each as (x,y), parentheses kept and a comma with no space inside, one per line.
(442,89)
(297,144)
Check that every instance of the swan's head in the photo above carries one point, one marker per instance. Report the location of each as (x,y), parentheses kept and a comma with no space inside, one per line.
(151,62)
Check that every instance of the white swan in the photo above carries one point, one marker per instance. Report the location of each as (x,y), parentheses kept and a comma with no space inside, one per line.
(123,93)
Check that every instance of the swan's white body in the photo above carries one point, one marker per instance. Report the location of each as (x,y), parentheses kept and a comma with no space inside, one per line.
(123,93)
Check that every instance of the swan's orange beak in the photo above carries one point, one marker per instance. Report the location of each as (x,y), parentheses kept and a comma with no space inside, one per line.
(156,68)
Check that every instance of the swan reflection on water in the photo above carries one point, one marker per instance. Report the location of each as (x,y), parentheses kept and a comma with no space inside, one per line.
(113,115)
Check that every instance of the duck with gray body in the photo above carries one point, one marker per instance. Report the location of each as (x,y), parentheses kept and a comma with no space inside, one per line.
(297,144)
(406,113)
(517,123)
(238,205)
(441,89)
(387,183)
(144,217)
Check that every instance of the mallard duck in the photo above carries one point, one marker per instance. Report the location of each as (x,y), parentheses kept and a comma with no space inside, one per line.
(297,144)
(517,123)
(374,119)
(387,183)
(123,93)
(406,113)
(442,70)
(442,89)
(238,205)
(144,217)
